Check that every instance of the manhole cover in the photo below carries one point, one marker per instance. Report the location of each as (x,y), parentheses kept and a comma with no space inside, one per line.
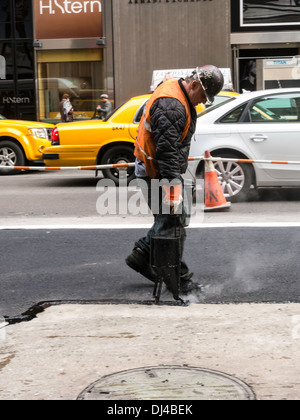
(168,383)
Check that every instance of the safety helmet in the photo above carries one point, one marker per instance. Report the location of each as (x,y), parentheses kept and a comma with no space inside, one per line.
(104,96)
(211,79)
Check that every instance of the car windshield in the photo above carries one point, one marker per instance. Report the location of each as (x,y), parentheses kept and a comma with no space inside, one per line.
(2,118)
(213,107)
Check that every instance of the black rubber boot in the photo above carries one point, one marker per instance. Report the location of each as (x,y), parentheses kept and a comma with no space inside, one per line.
(187,285)
(139,261)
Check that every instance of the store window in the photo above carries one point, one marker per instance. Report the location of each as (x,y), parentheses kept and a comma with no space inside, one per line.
(78,73)
(17,90)
(16,19)
(23,18)
(5,20)
(17,84)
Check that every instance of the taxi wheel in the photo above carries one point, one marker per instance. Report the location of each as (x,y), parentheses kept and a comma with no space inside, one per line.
(117,155)
(10,155)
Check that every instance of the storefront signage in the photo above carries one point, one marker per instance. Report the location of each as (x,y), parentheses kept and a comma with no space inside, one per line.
(15,100)
(55,19)
(66,6)
(284,62)
(269,13)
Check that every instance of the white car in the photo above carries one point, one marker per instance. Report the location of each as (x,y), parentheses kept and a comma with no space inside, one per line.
(261,125)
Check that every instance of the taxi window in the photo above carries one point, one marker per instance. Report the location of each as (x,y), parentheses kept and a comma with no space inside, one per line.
(138,115)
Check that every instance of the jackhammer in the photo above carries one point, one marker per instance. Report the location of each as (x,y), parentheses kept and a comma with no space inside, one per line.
(165,260)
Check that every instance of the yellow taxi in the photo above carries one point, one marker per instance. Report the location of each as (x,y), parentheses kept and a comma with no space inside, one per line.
(97,142)
(22,142)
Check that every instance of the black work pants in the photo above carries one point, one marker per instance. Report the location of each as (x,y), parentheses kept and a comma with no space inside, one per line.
(165,224)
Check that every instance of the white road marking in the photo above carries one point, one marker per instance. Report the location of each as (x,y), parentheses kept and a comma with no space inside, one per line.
(117,226)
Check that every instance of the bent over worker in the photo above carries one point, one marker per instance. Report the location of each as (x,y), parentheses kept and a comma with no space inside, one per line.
(162,149)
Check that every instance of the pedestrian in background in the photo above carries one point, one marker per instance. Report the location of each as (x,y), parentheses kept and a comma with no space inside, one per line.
(106,108)
(66,109)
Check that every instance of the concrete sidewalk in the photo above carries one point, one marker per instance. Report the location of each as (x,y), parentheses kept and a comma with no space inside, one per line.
(67,347)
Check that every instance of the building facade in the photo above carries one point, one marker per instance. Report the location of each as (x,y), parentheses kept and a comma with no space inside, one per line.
(155,35)
(265,41)
(89,47)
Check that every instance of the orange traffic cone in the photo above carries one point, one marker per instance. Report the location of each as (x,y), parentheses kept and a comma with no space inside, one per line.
(214,196)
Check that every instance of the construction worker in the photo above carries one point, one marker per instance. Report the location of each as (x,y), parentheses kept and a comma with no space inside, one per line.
(161,150)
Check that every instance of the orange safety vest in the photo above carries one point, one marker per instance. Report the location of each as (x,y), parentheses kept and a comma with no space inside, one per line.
(144,144)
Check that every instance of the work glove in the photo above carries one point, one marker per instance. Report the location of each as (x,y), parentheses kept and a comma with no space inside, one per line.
(173,197)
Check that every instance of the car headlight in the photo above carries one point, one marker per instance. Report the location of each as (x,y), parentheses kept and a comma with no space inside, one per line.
(40,133)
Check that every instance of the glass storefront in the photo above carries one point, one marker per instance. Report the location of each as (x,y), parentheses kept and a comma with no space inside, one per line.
(17,87)
(78,73)
(34,76)
(69,57)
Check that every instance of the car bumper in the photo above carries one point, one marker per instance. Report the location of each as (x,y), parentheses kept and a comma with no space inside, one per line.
(50,156)
(65,157)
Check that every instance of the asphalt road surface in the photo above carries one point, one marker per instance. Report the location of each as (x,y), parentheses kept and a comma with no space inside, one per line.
(234,264)
(56,247)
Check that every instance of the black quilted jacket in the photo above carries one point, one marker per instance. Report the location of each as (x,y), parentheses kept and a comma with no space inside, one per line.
(168,119)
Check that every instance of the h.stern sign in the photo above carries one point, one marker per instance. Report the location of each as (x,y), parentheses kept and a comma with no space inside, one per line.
(55,19)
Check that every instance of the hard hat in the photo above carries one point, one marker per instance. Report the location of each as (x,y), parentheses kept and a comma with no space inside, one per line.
(104,96)
(211,79)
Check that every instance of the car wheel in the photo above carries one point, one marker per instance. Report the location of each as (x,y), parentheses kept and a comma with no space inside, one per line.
(10,155)
(235,178)
(117,155)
